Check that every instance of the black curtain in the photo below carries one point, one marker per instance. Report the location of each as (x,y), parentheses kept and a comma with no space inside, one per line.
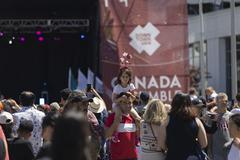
(28,65)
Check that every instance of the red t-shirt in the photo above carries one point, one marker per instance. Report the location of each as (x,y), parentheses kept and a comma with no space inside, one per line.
(124,147)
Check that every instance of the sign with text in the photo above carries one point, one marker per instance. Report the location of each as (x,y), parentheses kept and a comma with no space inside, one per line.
(154,32)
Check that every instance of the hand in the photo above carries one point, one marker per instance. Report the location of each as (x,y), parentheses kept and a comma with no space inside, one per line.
(92,90)
(236,142)
(118,115)
(215,118)
(131,95)
(205,118)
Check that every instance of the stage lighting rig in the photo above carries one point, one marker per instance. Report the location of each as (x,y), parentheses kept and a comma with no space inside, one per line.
(45,25)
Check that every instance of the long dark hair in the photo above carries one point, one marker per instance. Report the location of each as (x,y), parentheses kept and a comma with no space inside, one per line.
(181,107)
(121,71)
(70,137)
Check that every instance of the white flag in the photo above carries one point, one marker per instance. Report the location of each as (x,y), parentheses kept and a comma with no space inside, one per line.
(90,77)
(82,80)
(69,77)
(72,81)
(98,85)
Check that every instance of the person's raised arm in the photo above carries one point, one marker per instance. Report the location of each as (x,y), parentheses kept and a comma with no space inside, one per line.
(202,136)
(95,93)
(113,127)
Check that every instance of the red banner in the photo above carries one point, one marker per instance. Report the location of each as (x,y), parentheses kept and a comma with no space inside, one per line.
(154,32)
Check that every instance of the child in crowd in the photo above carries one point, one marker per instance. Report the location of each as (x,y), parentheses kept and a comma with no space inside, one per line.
(124,86)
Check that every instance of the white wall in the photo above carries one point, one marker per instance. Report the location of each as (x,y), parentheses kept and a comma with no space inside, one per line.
(216,63)
(217,25)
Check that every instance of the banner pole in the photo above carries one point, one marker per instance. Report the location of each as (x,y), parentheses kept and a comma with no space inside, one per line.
(233,51)
(202,62)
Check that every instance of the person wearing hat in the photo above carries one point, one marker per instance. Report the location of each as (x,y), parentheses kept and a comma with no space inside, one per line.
(122,131)
(197,106)
(55,107)
(45,108)
(79,102)
(80,99)
(10,105)
(98,107)
(6,121)
(144,98)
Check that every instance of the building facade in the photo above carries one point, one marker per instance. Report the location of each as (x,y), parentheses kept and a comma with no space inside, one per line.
(217,47)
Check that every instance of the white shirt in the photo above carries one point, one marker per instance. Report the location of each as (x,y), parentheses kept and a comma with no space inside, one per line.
(193,97)
(234,153)
(213,95)
(30,113)
(119,89)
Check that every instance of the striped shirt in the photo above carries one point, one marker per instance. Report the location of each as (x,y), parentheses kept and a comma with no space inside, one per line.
(125,146)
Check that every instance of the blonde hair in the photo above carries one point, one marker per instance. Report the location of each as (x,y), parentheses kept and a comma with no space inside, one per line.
(155,112)
(221,96)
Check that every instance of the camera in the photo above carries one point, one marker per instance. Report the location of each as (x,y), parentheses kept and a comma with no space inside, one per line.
(211,115)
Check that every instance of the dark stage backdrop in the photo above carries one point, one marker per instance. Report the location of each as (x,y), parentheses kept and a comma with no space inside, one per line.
(27,66)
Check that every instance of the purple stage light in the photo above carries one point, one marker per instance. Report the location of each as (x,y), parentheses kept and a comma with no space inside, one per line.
(22,39)
(38,33)
(1,34)
(40,39)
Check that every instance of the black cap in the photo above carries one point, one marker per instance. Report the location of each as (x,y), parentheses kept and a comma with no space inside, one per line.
(65,93)
(197,102)
(79,96)
(144,96)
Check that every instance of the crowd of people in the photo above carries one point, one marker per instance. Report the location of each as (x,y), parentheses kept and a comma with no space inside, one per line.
(82,127)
